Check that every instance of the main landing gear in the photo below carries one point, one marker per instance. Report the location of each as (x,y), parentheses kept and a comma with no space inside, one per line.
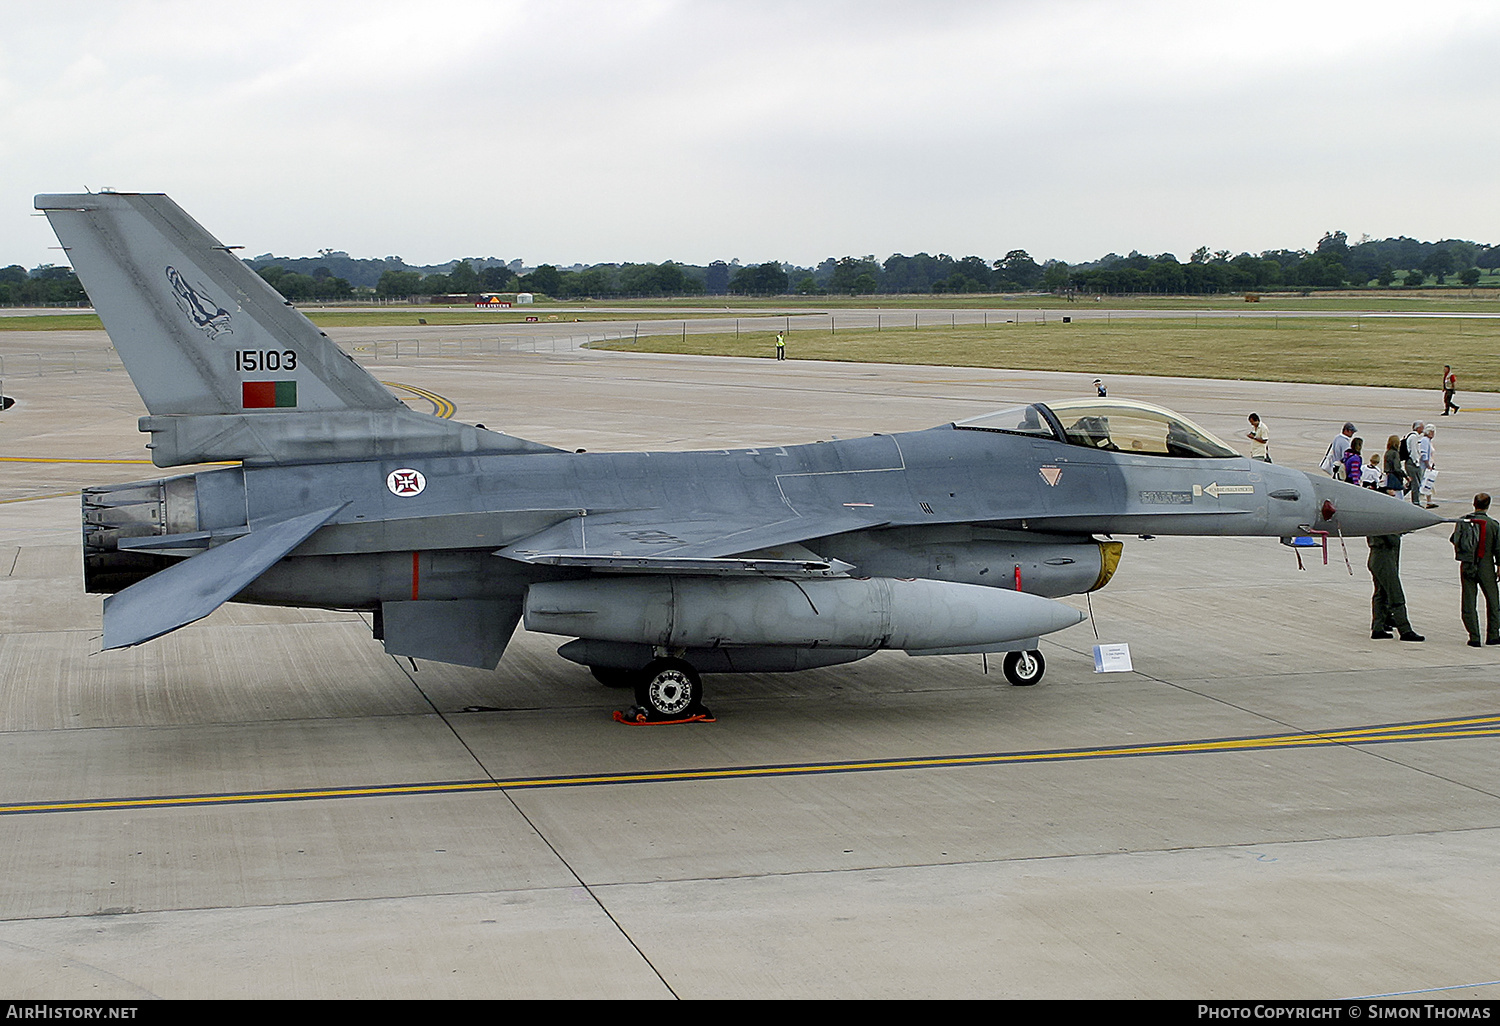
(670,690)
(666,691)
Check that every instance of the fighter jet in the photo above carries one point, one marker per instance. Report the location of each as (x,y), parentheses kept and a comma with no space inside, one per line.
(661,566)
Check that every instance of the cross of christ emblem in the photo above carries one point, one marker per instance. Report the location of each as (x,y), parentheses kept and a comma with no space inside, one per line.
(406,482)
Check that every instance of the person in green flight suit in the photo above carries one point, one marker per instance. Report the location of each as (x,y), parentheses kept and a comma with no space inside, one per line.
(1388,606)
(1474,545)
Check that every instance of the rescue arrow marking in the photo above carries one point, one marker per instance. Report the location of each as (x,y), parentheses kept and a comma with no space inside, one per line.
(1217,489)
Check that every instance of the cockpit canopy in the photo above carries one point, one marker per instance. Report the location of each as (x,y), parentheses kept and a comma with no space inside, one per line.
(1114,425)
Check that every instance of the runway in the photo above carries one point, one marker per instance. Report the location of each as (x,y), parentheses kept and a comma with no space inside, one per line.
(265,805)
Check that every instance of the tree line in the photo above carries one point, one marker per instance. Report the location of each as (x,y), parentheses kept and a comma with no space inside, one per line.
(42,286)
(1333,263)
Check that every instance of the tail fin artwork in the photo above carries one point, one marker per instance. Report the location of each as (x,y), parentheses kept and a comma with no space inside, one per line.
(228,368)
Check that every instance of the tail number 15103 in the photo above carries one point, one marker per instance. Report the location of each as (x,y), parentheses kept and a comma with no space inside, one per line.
(264,360)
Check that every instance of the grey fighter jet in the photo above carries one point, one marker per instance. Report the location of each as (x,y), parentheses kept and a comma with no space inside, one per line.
(660,565)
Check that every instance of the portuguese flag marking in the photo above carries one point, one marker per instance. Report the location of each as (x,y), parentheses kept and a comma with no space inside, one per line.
(269,395)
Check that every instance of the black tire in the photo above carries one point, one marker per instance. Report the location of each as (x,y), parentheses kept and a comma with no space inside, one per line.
(611,677)
(1023,669)
(669,689)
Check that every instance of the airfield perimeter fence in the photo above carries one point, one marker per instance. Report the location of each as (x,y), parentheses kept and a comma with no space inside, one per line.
(77,361)
(455,344)
(63,361)
(374,350)
(396,348)
(14,366)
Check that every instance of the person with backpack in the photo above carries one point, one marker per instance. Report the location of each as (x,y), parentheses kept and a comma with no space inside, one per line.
(1411,460)
(1475,543)
(1429,462)
(1333,459)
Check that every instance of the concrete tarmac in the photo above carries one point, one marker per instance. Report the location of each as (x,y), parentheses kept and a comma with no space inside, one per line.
(265,805)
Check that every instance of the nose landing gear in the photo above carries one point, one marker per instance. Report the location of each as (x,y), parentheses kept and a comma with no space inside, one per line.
(1023,669)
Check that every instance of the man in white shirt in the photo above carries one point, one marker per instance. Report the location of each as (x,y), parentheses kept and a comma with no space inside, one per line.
(1259,437)
(1429,467)
(1413,462)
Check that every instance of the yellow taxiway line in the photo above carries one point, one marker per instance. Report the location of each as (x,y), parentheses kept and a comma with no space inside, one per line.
(1428,730)
(441,407)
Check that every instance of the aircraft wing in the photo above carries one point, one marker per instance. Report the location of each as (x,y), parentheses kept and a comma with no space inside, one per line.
(642,541)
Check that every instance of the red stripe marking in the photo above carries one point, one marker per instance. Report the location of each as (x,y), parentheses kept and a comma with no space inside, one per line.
(414,569)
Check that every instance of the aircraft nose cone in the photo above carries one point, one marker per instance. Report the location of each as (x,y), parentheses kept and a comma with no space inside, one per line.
(1351,510)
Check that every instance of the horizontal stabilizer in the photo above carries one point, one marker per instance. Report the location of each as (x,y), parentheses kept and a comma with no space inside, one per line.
(290,437)
(188,591)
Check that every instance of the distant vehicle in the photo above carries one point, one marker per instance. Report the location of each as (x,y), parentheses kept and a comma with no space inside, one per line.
(661,566)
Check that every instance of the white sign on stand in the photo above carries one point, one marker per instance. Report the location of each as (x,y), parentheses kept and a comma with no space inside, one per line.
(1112,659)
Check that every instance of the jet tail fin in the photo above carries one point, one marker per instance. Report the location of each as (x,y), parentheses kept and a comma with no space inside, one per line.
(220,358)
(185,314)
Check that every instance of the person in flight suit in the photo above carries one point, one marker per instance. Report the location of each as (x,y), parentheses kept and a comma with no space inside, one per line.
(1388,606)
(1474,545)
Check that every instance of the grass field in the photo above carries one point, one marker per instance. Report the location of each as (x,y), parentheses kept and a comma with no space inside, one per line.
(51,322)
(1480,300)
(1395,351)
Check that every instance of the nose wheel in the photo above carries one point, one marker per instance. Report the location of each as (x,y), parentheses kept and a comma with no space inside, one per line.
(1023,669)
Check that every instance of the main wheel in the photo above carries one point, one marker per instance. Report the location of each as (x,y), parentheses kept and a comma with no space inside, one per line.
(612,677)
(669,689)
(1024,669)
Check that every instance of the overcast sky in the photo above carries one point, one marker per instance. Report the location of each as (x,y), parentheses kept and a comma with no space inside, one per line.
(759,129)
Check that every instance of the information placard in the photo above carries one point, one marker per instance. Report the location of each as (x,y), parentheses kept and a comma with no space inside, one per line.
(1112,659)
